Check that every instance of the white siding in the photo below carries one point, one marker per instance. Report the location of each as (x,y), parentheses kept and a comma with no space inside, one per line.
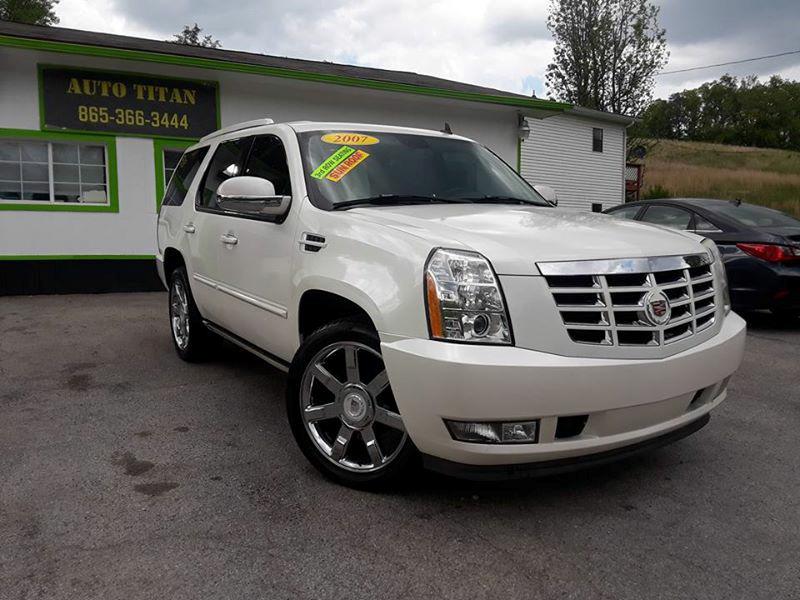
(559,153)
(132,230)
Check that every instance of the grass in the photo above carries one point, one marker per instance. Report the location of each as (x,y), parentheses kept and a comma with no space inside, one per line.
(700,170)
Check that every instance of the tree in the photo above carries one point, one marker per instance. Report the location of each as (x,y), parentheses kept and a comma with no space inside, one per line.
(729,110)
(34,12)
(606,53)
(191,37)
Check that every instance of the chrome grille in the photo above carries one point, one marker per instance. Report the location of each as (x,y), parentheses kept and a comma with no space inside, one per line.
(606,302)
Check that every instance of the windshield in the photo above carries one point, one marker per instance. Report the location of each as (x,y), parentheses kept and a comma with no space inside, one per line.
(342,168)
(757,216)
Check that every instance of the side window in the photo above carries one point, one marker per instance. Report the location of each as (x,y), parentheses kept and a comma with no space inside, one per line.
(226,163)
(629,212)
(182,176)
(597,139)
(268,160)
(668,216)
(701,224)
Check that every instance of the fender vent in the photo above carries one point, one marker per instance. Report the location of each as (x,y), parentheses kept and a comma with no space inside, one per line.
(311,242)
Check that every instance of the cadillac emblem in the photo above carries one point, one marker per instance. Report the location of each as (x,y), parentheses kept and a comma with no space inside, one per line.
(656,308)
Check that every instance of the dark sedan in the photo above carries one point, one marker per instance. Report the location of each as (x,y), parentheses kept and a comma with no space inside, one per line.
(760,246)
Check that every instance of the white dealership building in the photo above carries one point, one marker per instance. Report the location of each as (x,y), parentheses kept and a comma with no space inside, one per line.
(91,125)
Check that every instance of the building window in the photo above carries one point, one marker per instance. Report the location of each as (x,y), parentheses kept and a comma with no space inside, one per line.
(597,139)
(34,171)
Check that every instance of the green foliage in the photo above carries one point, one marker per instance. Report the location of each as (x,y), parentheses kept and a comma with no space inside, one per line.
(191,36)
(655,192)
(34,12)
(606,53)
(744,112)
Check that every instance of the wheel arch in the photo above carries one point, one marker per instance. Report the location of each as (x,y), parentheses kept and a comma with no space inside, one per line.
(172,260)
(326,302)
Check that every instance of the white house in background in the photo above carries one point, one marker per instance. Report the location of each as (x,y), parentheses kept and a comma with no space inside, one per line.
(581,154)
(91,126)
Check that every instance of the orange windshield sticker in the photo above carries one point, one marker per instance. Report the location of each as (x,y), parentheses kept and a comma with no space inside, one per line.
(352,139)
(347,165)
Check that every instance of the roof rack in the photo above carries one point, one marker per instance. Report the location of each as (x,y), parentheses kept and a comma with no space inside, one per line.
(236,127)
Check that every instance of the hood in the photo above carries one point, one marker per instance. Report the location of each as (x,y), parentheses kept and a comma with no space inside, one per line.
(514,238)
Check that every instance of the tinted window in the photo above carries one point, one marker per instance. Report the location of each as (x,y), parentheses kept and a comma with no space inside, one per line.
(629,212)
(701,224)
(268,160)
(226,163)
(171,159)
(668,216)
(597,139)
(183,176)
(757,216)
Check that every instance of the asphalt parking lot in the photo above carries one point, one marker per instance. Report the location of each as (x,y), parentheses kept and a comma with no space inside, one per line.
(126,473)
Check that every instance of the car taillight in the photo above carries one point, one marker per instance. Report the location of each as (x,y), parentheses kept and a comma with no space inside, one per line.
(771,252)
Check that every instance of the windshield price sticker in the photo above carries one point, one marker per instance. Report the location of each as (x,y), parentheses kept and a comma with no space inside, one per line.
(347,165)
(353,139)
(331,162)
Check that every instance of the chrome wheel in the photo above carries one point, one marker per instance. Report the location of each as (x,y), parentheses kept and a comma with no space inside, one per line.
(179,314)
(348,408)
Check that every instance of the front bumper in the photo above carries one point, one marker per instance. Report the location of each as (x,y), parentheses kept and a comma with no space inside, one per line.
(626,401)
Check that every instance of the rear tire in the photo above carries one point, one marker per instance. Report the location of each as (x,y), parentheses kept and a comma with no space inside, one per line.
(189,336)
(342,411)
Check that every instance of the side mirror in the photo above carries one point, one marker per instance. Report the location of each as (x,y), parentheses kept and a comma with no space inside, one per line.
(548,193)
(251,196)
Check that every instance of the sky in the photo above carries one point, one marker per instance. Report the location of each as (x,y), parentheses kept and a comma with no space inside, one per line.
(502,44)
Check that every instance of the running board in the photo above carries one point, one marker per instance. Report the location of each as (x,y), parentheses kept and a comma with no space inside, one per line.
(276,362)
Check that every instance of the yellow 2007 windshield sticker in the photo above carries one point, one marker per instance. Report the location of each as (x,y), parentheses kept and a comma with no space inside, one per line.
(331,162)
(353,139)
(347,165)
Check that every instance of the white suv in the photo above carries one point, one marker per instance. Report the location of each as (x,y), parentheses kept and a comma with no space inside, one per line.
(428,304)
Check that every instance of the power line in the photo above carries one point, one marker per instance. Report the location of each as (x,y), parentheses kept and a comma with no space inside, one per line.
(733,62)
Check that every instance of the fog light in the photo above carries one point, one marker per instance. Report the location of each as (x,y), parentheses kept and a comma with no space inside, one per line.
(516,432)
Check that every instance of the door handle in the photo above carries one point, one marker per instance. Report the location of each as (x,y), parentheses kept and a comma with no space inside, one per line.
(229,238)
(189,228)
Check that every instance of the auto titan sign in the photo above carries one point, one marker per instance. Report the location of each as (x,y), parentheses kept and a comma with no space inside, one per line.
(127,103)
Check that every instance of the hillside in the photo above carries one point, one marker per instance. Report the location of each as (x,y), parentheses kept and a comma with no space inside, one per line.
(701,170)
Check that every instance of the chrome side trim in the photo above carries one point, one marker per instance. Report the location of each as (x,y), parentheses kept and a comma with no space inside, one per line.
(244,344)
(266,305)
(625,265)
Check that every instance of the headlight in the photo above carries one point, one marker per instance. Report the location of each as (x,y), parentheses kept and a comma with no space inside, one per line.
(464,300)
(721,276)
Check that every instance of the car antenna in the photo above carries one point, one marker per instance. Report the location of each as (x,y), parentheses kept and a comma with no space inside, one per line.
(447,129)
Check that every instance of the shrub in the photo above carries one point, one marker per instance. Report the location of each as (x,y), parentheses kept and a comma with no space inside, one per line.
(655,192)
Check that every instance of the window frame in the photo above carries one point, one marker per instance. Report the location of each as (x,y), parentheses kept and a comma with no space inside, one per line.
(198,206)
(595,139)
(159,146)
(110,145)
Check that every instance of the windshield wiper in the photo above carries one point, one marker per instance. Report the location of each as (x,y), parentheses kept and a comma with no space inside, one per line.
(503,200)
(386,199)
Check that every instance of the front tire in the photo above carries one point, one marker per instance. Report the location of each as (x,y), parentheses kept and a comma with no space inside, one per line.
(342,411)
(189,336)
